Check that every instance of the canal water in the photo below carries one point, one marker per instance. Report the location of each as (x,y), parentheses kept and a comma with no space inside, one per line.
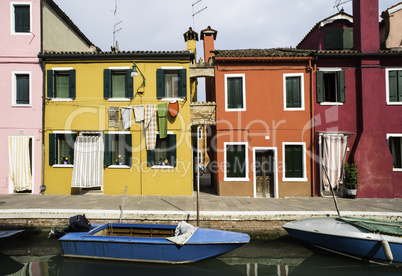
(36,255)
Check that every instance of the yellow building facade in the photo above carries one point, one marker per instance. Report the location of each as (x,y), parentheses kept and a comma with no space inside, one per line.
(117,119)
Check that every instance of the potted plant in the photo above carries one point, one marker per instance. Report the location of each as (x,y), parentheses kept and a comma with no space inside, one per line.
(350,180)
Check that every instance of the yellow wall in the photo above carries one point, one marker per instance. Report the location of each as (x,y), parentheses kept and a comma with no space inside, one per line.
(89,112)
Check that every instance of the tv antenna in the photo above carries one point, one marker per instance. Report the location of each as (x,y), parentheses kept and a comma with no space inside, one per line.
(340,2)
(195,13)
(115,43)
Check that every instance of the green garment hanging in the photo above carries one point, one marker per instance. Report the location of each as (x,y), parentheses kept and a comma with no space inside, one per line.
(162,119)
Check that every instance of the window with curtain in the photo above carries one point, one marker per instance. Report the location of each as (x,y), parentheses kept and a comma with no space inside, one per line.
(331,86)
(164,153)
(61,84)
(117,83)
(236,161)
(22,20)
(171,83)
(394,86)
(395,146)
(294,161)
(22,89)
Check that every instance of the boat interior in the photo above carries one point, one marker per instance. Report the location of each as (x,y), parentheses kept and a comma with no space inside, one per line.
(142,232)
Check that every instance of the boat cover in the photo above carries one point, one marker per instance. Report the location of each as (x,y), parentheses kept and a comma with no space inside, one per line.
(376,226)
(183,233)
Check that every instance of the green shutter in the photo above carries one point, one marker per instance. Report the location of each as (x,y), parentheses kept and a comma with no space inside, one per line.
(150,158)
(183,83)
(73,137)
(52,149)
(129,84)
(235,160)
(50,84)
(320,86)
(128,149)
(230,161)
(347,38)
(22,91)
(293,94)
(334,38)
(71,90)
(289,162)
(399,92)
(393,85)
(107,150)
(172,149)
(235,92)
(341,86)
(22,18)
(160,84)
(107,89)
(293,161)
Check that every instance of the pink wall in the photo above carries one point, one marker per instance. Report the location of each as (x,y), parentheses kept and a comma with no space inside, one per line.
(18,53)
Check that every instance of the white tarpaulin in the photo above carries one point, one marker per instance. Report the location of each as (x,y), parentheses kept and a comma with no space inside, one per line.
(19,163)
(88,162)
(332,155)
(183,233)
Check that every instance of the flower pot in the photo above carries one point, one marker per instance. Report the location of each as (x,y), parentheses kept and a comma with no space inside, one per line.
(351,193)
(65,162)
(120,163)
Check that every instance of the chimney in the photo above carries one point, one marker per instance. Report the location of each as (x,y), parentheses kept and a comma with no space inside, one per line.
(366,30)
(208,35)
(191,38)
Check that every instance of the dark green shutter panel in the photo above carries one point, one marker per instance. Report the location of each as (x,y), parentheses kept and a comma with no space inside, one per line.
(334,38)
(172,149)
(341,86)
(289,162)
(128,149)
(71,141)
(107,151)
(293,97)
(71,90)
(183,83)
(399,92)
(107,84)
(348,38)
(230,161)
(129,84)
(235,92)
(320,87)
(298,161)
(22,96)
(52,149)
(393,85)
(235,159)
(50,82)
(150,158)
(160,84)
(22,19)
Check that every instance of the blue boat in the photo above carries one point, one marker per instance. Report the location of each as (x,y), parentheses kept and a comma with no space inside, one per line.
(363,239)
(151,243)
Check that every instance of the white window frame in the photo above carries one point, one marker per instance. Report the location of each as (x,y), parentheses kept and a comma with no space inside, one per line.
(243,76)
(164,167)
(12,17)
(14,88)
(294,179)
(246,178)
(171,99)
(387,85)
(301,75)
(118,99)
(394,135)
(61,99)
(63,165)
(329,70)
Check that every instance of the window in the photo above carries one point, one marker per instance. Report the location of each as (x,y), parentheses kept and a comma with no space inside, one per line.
(21,18)
(118,148)
(295,162)
(235,92)
(61,148)
(339,38)
(117,83)
(395,146)
(236,161)
(199,132)
(331,86)
(394,86)
(293,91)
(171,83)
(199,157)
(61,84)
(164,153)
(21,89)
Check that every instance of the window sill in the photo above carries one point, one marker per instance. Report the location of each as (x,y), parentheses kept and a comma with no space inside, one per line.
(294,179)
(236,179)
(162,167)
(235,109)
(295,109)
(21,33)
(172,99)
(394,103)
(330,103)
(119,99)
(21,105)
(63,166)
(118,167)
(397,169)
(61,99)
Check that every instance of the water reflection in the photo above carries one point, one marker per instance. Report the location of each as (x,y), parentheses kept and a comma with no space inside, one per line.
(280,257)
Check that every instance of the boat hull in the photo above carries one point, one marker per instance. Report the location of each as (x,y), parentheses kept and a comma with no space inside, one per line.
(334,236)
(204,243)
(6,236)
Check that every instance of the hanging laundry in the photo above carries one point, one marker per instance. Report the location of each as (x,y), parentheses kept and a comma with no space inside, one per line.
(113,116)
(126,116)
(150,126)
(162,119)
(139,113)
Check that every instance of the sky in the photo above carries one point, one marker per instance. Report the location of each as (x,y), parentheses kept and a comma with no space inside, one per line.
(159,25)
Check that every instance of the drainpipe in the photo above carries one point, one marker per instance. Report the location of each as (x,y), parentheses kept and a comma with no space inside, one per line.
(312,69)
(42,187)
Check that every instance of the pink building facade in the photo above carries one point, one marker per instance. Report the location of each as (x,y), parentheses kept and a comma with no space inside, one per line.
(21,101)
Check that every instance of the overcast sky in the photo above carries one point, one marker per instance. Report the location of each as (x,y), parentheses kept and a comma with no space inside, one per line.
(159,24)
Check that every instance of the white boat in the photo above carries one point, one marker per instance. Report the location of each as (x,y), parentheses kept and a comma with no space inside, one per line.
(364,239)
